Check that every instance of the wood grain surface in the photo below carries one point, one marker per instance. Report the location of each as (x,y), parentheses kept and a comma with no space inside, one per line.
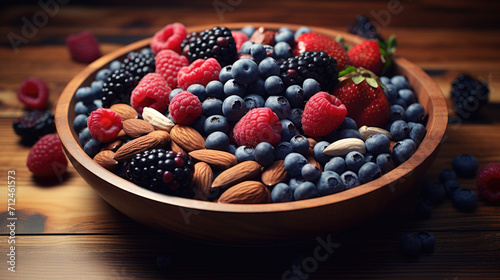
(66,231)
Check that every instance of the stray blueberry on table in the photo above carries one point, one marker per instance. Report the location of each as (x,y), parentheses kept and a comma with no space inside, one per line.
(410,244)
(450,187)
(465,166)
(465,200)
(427,240)
(447,174)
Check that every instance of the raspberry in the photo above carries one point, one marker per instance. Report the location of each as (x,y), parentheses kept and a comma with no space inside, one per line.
(170,37)
(33,125)
(185,107)
(152,91)
(322,114)
(83,47)
(34,93)
(168,64)
(104,124)
(488,181)
(46,158)
(199,72)
(258,125)
(239,38)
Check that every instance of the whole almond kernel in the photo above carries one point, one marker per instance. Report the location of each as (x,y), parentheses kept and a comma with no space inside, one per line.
(203,177)
(367,131)
(176,148)
(313,161)
(106,160)
(241,172)
(113,145)
(161,136)
(137,127)
(216,159)
(274,173)
(187,138)
(343,146)
(248,192)
(157,138)
(158,120)
(125,111)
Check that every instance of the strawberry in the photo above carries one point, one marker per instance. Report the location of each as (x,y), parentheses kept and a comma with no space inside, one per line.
(313,41)
(362,94)
(375,56)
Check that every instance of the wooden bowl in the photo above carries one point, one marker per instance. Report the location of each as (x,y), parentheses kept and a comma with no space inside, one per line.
(262,223)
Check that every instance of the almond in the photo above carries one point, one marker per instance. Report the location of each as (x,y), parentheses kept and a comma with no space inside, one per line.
(176,148)
(313,161)
(241,172)
(187,138)
(274,173)
(203,177)
(248,192)
(216,159)
(113,145)
(161,136)
(263,36)
(137,127)
(125,111)
(367,131)
(343,146)
(157,138)
(156,119)
(106,160)
(312,143)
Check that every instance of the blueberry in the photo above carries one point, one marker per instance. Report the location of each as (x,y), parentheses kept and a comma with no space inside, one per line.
(464,200)
(310,172)
(378,144)
(427,240)
(397,113)
(283,50)
(402,151)
(332,136)
(216,123)
(305,190)
(423,208)
(232,149)
(348,123)
(244,153)
(80,122)
(301,30)
(253,101)
(92,147)
(288,130)
(410,244)
(318,152)
(198,90)
(115,65)
(336,164)
(465,166)
(299,144)
(82,108)
(350,133)
(446,175)
(450,187)
(285,35)
(258,52)
(217,141)
(269,67)
(310,87)
(385,162)
(281,193)
(274,85)
(354,160)
(294,163)
(330,182)
(84,136)
(226,74)
(234,108)
(368,172)
(408,96)
(295,95)
(350,179)
(98,104)
(248,30)
(369,157)
(257,87)
(199,124)
(391,92)
(399,130)
(295,182)
(232,87)
(400,82)
(245,47)
(415,113)
(296,117)
(282,150)
(269,51)
(385,80)
(103,75)
(85,94)
(433,192)
(417,132)
(401,102)
(264,153)
(212,106)
(245,70)
(279,105)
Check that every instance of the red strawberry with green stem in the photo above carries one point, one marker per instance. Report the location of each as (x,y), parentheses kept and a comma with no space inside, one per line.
(362,94)
(316,42)
(376,56)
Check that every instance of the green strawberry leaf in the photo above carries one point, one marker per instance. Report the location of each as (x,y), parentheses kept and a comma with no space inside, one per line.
(371,81)
(358,79)
(347,70)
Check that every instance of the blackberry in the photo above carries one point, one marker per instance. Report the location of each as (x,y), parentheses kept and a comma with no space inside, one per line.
(364,27)
(216,42)
(118,87)
(468,95)
(33,125)
(190,38)
(139,64)
(316,65)
(162,171)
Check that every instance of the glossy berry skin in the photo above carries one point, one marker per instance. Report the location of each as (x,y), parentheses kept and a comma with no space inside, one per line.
(282,150)
(427,240)
(244,153)
(310,172)
(282,50)
(322,114)
(295,182)
(329,183)
(296,117)
(294,163)
(225,74)
(169,37)
(399,130)
(104,124)
(254,101)
(217,141)
(464,200)
(288,130)
(310,87)
(354,160)
(279,105)
(350,179)
(274,86)
(447,174)
(216,123)
(198,72)
(488,182)
(316,42)
(336,164)
(185,108)
(397,113)
(245,70)
(410,244)
(258,52)
(33,93)
(35,124)
(417,132)
(118,87)
(217,43)
(400,82)
(258,125)
(264,154)
(300,144)
(318,152)
(377,144)
(367,55)
(465,166)
(408,96)
(368,172)
(450,186)
(295,95)
(233,108)
(152,91)
(233,87)
(215,89)
(46,157)
(212,106)
(198,90)
(433,192)
(306,190)
(385,162)
(415,113)
(268,67)
(282,193)
(402,151)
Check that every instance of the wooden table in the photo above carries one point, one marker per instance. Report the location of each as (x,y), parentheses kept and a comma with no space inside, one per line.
(65,231)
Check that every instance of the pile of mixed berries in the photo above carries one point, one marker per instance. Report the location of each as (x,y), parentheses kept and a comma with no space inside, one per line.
(261,95)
